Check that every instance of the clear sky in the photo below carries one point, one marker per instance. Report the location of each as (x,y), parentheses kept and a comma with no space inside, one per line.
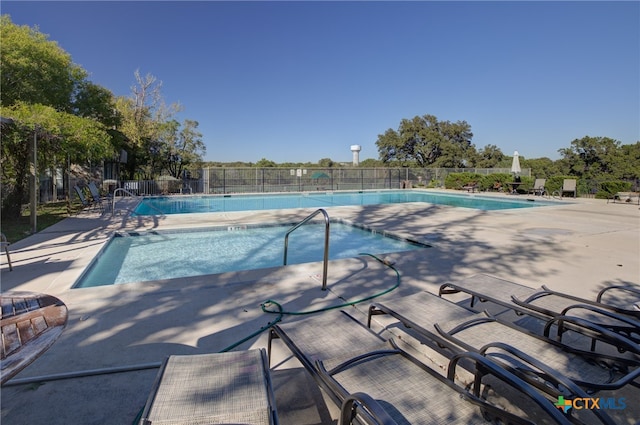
(301,81)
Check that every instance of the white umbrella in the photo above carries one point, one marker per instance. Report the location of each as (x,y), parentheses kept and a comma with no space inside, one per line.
(515,165)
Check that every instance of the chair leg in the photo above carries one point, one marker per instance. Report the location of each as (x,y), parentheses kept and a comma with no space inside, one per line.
(6,250)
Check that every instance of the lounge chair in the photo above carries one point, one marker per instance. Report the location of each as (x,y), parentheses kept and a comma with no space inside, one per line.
(569,186)
(470,187)
(348,360)
(538,187)
(625,198)
(97,198)
(85,202)
(530,356)
(620,303)
(4,244)
(544,303)
(222,388)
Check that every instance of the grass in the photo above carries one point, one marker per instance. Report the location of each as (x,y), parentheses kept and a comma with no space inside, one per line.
(47,215)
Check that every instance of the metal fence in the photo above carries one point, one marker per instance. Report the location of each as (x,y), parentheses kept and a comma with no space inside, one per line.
(255,180)
(227,180)
(223,180)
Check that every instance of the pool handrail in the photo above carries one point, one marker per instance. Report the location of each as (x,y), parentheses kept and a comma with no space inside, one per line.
(326,242)
(113,198)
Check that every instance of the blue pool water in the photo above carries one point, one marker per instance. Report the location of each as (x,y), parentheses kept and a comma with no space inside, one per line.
(225,203)
(174,254)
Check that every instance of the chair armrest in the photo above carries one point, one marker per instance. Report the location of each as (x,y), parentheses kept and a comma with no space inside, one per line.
(484,365)
(624,288)
(591,330)
(368,405)
(627,327)
(550,375)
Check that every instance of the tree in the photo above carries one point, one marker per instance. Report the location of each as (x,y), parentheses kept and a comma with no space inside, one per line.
(144,117)
(59,135)
(265,163)
(46,96)
(593,158)
(425,141)
(488,157)
(326,163)
(181,148)
(96,102)
(628,162)
(371,163)
(34,69)
(543,168)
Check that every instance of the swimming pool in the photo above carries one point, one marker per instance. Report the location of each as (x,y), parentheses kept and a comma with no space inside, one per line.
(225,203)
(158,255)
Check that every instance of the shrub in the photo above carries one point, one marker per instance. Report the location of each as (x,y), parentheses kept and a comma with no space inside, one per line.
(609,188)
(458,180)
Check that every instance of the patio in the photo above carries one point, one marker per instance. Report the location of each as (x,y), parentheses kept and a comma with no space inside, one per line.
(576,247)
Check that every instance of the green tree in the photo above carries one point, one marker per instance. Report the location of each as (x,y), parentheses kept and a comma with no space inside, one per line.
(59,136)
(371,163)
(35,70)
(46,96)
(96,102)
(542,168)
(181,147)
(425,141)
(488,157)
(144,117)
(628,162)
(593,158)
(326,163)
(265,163)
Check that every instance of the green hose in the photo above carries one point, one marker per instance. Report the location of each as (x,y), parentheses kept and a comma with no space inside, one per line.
(280,312)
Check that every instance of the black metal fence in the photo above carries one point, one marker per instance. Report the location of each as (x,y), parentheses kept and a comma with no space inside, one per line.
(255,180)
(223,180)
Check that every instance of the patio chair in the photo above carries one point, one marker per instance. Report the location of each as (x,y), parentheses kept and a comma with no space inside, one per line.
(348,361)
(530,356)
(538,187)
(4,244)
(85,202)
(625,198)
(470,187)
(233,387)
(97,198)
(616,313)
(569,186)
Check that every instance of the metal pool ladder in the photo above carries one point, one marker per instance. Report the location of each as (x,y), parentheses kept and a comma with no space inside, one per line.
(326,242)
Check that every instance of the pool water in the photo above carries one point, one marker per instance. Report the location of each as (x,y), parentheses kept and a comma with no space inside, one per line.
(224,203)
(135,257)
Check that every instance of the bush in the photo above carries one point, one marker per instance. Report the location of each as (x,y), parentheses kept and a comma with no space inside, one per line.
(491,182)
(459,180)
(609,188)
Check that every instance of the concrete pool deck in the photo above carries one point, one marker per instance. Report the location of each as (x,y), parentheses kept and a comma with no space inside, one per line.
(578,246)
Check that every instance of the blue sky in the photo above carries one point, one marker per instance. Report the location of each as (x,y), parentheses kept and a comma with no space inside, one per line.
(302,81)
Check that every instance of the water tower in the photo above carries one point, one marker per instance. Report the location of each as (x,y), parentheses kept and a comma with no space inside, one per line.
(356,154)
